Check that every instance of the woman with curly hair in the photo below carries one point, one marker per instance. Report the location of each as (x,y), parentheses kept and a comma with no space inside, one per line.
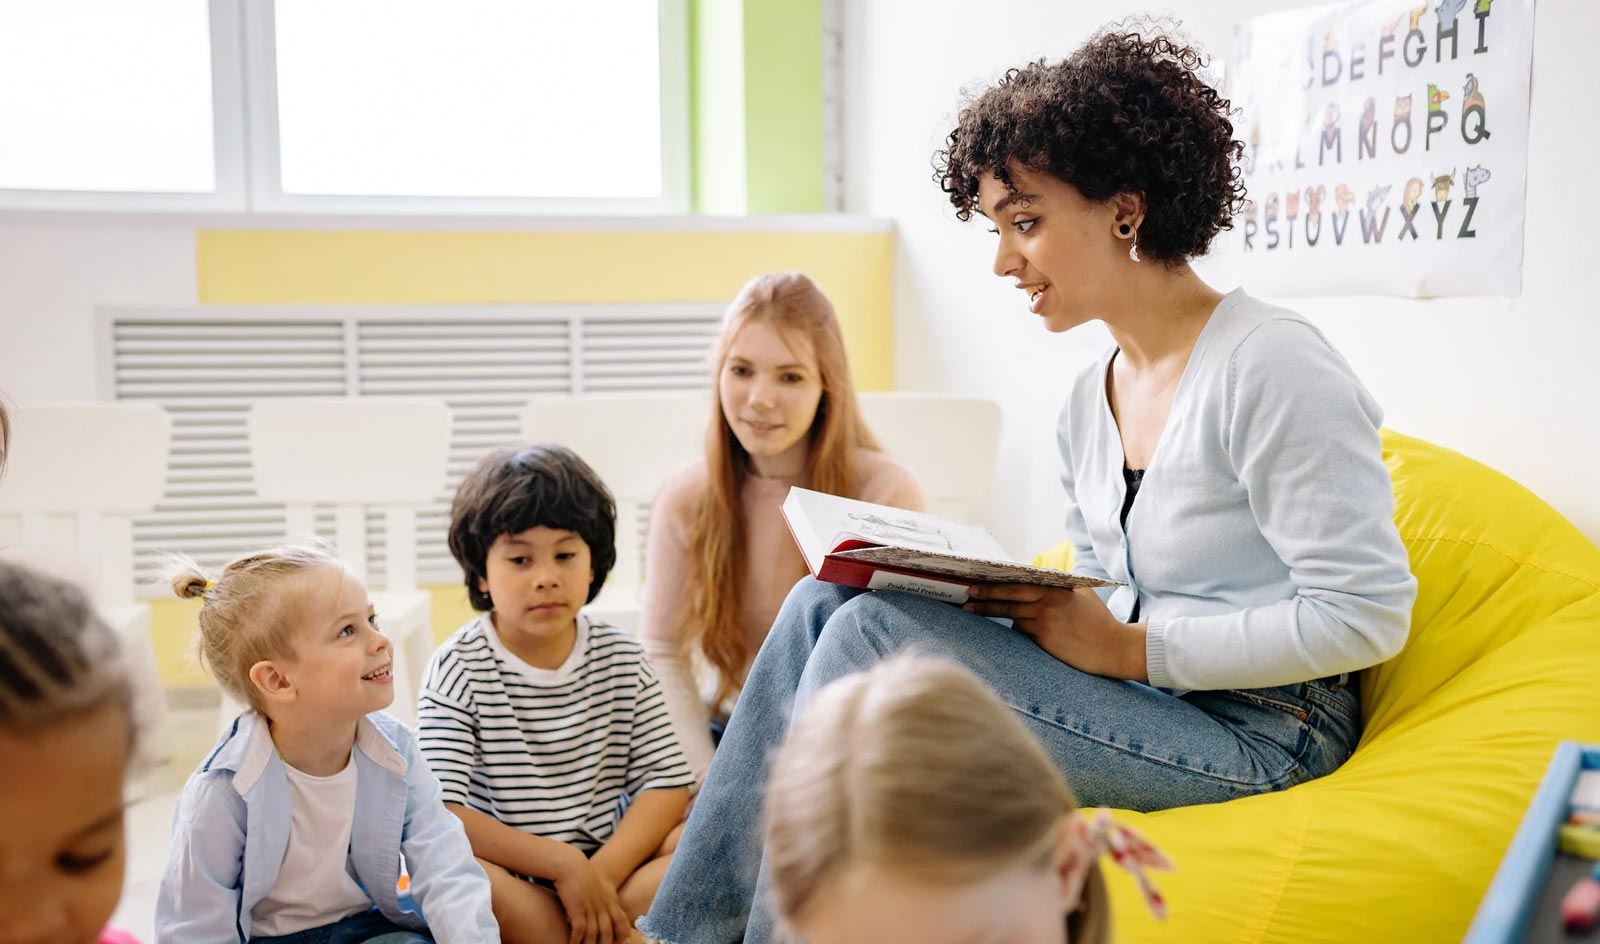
(1221,463)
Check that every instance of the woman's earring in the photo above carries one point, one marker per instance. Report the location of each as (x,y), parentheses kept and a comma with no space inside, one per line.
(1124,229)
(1133,250)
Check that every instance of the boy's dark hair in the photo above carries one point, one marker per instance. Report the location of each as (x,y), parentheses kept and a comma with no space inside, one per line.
(516,488)
(1126,113)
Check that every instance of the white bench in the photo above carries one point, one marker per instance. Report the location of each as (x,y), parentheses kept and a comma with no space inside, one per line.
(351,453)
(76,475)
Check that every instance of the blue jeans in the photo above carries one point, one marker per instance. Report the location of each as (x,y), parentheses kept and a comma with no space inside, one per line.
(1122,744)
(368,927)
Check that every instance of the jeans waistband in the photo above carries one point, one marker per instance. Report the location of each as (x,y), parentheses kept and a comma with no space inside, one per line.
(1335,693)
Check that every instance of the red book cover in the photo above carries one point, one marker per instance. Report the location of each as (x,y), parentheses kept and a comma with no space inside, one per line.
(859,544)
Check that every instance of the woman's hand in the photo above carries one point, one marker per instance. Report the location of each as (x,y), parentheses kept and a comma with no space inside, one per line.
(1073,625)
(594,913)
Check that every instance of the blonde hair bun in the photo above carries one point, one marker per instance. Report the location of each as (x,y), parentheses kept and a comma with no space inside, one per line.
(187,580)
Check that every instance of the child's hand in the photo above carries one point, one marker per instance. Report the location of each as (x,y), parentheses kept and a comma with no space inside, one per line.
(590,900)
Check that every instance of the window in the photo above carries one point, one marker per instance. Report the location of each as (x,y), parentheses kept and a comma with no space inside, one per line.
(111,104)
(494,106)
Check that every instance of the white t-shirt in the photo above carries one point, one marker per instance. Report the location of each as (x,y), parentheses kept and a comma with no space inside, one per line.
(314,886)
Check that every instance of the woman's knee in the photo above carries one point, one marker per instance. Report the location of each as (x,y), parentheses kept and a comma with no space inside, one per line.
(862,632)
(808,607)
(890,620)
(873,626)
(812,595)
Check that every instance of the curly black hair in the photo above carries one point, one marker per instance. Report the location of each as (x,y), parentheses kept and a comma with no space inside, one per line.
(1126,113)
(515,488)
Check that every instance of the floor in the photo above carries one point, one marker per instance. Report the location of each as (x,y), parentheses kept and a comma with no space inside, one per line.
(191,732)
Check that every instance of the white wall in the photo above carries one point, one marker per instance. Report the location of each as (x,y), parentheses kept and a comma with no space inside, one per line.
(1511,382)
(55,270)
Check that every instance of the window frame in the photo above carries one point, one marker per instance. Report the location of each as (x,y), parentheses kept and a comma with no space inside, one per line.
(246,155)
(227,134)
(266,182)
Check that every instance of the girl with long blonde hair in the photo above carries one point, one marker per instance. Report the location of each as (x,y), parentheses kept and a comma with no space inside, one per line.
(720,559)
(909,804)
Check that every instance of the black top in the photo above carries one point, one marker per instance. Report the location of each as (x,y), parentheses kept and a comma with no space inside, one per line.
(1133,478)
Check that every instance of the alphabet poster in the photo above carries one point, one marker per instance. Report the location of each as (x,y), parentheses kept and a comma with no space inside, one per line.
(1386,147)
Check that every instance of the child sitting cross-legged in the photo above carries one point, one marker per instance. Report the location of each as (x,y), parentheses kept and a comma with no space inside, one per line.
(294,827)
(548,729)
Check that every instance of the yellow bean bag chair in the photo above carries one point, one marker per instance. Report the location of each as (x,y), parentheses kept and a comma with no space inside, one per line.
(1399,844)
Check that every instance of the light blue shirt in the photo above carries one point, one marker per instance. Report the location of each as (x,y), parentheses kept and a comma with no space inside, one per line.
(231,829)
(1261,547)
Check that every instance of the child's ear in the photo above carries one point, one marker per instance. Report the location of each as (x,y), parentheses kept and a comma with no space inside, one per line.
(271,682)
(1074,855)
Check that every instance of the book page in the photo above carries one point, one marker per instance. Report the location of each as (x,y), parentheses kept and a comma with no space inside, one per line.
(835,520)
(800,529)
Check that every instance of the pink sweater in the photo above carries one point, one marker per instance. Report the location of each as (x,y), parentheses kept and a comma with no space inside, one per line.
(772,566)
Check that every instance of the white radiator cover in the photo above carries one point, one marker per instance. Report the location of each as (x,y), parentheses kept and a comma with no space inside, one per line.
(207,364)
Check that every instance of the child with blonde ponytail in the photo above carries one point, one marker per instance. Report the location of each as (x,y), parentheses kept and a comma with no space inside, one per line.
(293,829)
(908,804)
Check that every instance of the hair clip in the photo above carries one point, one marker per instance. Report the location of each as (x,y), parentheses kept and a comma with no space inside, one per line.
(1133,853)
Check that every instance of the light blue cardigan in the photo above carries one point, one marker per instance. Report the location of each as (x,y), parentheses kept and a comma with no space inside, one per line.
(1262,545)
(231,829)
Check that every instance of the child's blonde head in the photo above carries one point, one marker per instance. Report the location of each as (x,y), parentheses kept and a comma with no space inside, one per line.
(245,617)
(916,769)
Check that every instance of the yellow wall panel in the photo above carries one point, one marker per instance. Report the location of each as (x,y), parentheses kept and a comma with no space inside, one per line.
(286,267)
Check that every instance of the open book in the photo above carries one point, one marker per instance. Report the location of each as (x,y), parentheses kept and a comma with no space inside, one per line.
(859,544)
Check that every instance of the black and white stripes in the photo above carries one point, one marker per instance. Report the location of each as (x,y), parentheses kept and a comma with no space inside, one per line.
(557,753)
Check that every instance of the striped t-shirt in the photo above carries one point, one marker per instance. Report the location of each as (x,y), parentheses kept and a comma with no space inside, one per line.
(558,753)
